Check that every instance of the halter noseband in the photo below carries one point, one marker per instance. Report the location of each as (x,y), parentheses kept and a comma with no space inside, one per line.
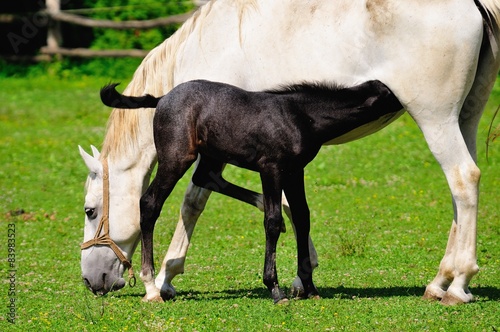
(104,239)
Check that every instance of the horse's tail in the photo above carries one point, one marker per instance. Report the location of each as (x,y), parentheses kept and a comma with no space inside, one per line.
(112,98)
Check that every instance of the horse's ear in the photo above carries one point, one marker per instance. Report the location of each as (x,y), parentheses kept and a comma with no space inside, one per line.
(95,152)
(92,162)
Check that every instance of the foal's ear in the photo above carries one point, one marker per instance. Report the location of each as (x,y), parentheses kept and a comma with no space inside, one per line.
(92,162)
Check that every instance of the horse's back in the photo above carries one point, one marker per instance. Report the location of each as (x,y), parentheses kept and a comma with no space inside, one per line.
(270,43)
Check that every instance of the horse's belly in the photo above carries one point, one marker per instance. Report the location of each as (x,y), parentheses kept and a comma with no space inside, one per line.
(366,129)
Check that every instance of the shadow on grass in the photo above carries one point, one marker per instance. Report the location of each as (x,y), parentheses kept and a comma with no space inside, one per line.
(483,293)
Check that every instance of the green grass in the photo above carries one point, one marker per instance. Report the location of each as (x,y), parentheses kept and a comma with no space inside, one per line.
(380,211)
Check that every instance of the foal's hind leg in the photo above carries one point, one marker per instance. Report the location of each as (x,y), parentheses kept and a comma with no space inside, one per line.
(294,189)
(208,175)
(297,289)
(271,186)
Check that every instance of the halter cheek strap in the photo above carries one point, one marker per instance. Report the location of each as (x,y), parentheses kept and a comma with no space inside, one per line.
(104,239)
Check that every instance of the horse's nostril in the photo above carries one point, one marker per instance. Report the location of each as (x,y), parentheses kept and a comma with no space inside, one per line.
(86,282)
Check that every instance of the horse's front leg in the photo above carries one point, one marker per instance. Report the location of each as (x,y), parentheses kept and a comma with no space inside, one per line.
(271,185)
(295,191)
(194,202)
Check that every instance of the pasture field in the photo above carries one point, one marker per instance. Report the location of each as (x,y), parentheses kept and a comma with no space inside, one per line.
(380,212)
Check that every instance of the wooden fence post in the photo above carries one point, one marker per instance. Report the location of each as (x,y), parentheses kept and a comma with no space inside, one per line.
(54,38)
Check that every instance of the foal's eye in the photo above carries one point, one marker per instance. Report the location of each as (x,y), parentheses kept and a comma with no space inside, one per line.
(91,213)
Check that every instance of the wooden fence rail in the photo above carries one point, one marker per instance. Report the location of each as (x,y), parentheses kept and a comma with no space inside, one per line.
(146,24)
(54,37)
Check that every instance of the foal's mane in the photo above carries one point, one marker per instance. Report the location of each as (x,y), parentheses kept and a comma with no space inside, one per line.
(320,88)
(315,90)
(155,76)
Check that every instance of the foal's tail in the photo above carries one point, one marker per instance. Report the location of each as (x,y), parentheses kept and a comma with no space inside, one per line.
(112,98)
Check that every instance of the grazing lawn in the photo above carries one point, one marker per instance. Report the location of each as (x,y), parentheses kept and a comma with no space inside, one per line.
(380,209)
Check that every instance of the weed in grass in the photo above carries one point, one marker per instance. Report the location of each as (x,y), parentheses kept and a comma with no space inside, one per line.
(351,243)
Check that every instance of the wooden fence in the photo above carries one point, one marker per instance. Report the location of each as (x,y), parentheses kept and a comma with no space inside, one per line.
(54,36)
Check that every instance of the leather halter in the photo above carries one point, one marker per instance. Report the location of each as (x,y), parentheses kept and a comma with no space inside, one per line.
(104,239)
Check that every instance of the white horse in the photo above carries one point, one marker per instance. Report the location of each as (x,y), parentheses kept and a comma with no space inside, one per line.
(440,58)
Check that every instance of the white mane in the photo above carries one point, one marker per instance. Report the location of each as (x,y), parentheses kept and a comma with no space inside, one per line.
(155,76)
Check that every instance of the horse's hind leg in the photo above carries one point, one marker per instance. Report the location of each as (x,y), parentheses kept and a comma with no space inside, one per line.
(445,286)
(459,263)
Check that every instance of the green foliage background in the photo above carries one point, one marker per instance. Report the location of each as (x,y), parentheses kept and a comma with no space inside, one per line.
(98,38)
(126,10)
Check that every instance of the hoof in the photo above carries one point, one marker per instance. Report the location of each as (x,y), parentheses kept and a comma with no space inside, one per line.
(433,293)
(303,296)
(429,296)
(168,294)
(450,299)
(156,298)
(278,295)
(297,290)
(284,301)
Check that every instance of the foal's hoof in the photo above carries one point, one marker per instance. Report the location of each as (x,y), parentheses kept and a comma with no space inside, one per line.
(311,296)
(278,296)
(297,291)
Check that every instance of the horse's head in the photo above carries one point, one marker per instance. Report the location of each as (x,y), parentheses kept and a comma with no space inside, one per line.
(112,228)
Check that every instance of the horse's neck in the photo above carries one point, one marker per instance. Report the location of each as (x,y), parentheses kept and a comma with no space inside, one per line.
(129,136)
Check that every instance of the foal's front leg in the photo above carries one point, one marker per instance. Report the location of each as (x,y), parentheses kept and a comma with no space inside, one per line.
(151,204)
(271,186)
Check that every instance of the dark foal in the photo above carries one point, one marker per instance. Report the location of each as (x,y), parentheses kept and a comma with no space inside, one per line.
(276,133)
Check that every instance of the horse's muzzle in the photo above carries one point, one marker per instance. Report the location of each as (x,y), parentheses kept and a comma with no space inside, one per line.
(103,286)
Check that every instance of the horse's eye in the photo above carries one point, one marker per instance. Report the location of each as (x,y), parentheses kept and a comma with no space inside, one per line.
(91,213)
